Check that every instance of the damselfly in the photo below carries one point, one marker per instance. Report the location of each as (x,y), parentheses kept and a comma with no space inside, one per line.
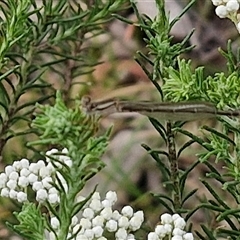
(184,111)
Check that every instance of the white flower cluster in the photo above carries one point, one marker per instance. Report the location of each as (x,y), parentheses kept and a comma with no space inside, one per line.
(171,226)
(98,217)
(39,176)
(228,9)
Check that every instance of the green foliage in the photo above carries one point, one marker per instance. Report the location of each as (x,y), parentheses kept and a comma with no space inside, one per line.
(43,47)
(31,222)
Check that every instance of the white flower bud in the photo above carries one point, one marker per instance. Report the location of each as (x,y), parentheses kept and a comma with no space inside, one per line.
(178,231)
(152,236)
(221,11)
(98,221)
(121,233)
(111,225)
(123,222)
(111,196)
(23,181)
(32,178)
(24,172)
(54,223)
(12,184)
(41,195)
(97,231)
(13,194)
(116,215)
(89,233)
(9,169)
(85,223)
(166,218)
(53,198)
(21,197)
(47,182)
(44,172)
(232,6)
(5,192)
(88,213)
(24,163)
(33,167)
(179,223)
(3,180)
(37,186)
(95,205)
(160,231)
(127,211)
(106,213)
(188,236)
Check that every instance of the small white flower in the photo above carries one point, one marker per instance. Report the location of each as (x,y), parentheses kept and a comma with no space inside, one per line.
(123,222)
(5,192)
(111,225)
(85,223)
(44,172)
(178,231)
(221,11)
(139,215)
(24,163)
(96,195)
(135,223)
(17,165)
(89,234)
(130,237)
(106,203)
(116,215)
(101,238)
(13,175)
(121,233)
(127,211)
(188,236)
(52,190)
(32,178)
(21,197)
(98,221)
(23,182)
(95,205)
(88,213)
(13,194)
(106,213)
(41,195)
(53,198)
(179,223)
(166,218)
(47,182)
(74,220)
(152,236)
(168,228)
(232,6)
(9,169)
(24,172)
(37,186)
(54,223)
(111,196)
(97,231)
(160,231)
(33,168)
(12,184)
(175,216)
(3,180)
